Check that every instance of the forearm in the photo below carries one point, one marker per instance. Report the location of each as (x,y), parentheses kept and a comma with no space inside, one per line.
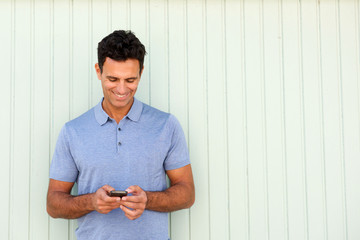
(176,197)
(64,205)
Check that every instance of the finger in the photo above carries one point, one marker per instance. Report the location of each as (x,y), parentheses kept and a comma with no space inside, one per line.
(134,189)
(106,209)
(132,205)
(136,199)
(131,213)
(111,206)
(108,188)
(127,210)
(108,199)
(130,217)
(103,196)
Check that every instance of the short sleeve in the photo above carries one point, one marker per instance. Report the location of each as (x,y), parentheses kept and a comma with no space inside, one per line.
(178,154)
(63,167)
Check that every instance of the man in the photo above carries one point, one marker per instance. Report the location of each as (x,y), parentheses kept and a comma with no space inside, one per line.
(120,144)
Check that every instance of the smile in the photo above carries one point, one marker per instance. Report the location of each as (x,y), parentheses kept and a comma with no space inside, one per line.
(120,95)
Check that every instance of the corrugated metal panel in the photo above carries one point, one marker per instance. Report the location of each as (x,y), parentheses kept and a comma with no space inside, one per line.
(267,93)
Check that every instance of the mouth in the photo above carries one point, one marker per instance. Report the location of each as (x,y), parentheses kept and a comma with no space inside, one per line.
(121,95)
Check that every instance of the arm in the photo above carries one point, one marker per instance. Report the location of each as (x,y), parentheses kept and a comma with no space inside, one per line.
(61,204)
(180,195)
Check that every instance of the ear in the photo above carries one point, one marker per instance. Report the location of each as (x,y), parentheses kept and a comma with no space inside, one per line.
(98,71)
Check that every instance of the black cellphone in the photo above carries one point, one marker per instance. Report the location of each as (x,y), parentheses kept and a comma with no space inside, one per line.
(118,193)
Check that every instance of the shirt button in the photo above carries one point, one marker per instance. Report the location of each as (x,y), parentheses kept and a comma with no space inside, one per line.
(119,143)
(119,129)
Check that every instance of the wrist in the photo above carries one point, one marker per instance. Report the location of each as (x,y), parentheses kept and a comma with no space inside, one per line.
(148,199)
(92,201)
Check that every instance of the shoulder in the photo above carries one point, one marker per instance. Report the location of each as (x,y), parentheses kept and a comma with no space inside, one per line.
(84,121)
(156,117)
(151,112)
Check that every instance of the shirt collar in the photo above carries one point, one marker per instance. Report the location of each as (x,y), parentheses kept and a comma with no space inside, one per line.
(100,115)
(135,110)
(134,114)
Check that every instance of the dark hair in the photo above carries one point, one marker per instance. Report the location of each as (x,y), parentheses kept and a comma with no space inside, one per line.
(121,45)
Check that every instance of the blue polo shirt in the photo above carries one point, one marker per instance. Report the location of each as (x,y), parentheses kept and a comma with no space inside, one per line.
(93,150)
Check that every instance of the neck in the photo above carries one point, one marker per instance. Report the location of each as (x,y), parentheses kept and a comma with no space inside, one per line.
(116,113)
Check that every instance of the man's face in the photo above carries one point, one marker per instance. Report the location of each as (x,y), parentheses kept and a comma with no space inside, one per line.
(119,80)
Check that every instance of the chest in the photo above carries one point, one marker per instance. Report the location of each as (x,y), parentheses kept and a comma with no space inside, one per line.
(131,155)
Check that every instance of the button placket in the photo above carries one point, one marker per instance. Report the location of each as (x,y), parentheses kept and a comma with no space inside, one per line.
(118,133)
(118,137)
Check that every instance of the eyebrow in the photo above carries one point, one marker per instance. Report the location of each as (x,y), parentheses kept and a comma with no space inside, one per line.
(130,78)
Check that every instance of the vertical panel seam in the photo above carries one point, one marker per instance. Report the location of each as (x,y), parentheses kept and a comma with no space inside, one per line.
(167,68)
(245,123)
(321,116)
(186,64)
(225,10)
(71,79)
(205,46)
(71,58)
(357,33)
(128,19)
(51,86)
(283,125)
(226,114)
(303,121)
(167,50)
(149,47)
(12,119)
(109,19)
(264,119)
(341,120)
(91,29)
(31,103)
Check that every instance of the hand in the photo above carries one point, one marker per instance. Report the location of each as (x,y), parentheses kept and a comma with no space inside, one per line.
(102,202)
(134,206)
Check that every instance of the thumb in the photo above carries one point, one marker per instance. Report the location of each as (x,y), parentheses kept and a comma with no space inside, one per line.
(108,188)
(133,189)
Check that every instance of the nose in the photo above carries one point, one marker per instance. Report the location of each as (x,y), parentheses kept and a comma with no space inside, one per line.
(121,87)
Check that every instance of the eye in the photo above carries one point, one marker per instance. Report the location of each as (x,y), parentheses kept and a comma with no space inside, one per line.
(130,80)
(112,80)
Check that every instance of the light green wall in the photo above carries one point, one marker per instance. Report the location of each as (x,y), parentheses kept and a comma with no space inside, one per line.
(267,93)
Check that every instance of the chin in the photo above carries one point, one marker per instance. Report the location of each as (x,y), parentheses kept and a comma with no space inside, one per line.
(122,104)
